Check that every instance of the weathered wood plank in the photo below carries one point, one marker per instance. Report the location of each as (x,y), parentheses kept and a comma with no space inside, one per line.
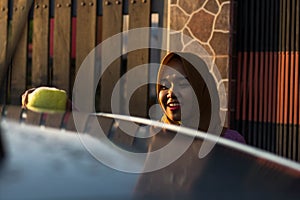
(139,16)
(85,29)
(85,42)
(19,62)
(54,120)
(13,112)
(62,45)
(2,152)
(3,42)
(119,137)
(112,14)
(93,123)
(1,111)
(33,118)
(40,43)
(69,122)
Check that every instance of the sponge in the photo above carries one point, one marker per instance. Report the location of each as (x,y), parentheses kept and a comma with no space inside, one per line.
(47,99)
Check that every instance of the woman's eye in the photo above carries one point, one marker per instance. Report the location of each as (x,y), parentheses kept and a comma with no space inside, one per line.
(165,86)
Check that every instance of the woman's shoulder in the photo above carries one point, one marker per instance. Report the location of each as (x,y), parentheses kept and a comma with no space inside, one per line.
(233,135)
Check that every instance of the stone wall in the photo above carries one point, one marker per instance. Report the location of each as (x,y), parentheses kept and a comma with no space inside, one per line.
(207,23)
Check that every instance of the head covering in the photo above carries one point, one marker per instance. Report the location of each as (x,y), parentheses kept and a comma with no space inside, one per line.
(200,79)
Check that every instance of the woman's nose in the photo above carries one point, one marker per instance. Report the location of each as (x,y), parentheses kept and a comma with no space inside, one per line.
(171,92)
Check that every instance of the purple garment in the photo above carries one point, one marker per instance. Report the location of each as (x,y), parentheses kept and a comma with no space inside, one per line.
(233,135)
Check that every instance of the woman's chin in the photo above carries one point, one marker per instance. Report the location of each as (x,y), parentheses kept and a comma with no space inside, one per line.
(175,119)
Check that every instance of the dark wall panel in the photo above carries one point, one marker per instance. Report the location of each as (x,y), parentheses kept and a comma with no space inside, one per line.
(267,110)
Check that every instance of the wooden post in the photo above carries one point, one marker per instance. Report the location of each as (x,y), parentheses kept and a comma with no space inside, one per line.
(40,43)
(3,47)
(62,45)
(19,63)
(112,14)
(139,16)
(85,42)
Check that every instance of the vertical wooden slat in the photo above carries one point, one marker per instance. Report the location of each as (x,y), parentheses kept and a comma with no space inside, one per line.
(2,151)
(286,75)
(275,46)
(256,78)
(91,126)
(62,45)
(244,75)
(278,88)
(272,68)
(2,107)
(251,67)
(112,14)
(242,25)
(68,122)
(296,141)
(85,29)
(13,112)
(292,80)
(3,44)
(40,43)
(265,25)
(261,75)
(280,80)
(269,74)
(85,43)
(297,98)
(33,118)
(54,120)
(280,103)
(19,62)
(139,16)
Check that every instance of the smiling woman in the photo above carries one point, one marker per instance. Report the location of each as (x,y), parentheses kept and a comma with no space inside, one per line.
(185,95)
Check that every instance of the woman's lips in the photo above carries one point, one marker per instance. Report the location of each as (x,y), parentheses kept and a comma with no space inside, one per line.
(174,106)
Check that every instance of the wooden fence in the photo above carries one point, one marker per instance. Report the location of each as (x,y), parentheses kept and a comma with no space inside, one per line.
(44,42)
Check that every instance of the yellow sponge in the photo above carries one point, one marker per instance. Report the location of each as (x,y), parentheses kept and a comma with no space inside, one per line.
(47,99)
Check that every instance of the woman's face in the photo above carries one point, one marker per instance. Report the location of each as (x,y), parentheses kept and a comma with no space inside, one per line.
(176,96)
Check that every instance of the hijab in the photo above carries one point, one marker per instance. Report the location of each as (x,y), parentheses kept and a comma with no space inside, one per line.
(206,97)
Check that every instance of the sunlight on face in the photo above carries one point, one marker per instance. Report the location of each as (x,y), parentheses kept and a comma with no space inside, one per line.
(176,93)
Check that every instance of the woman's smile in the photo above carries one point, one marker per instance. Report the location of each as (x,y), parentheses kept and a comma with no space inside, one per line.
(174,106)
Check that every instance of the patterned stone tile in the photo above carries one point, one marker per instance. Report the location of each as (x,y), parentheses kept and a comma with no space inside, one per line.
(212,6)
(220,43)
(222,66)
(175,42)
(223,19)
(178,18)
(201,25)
(187,36)
(207,24)
(199,49)
(190,6)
